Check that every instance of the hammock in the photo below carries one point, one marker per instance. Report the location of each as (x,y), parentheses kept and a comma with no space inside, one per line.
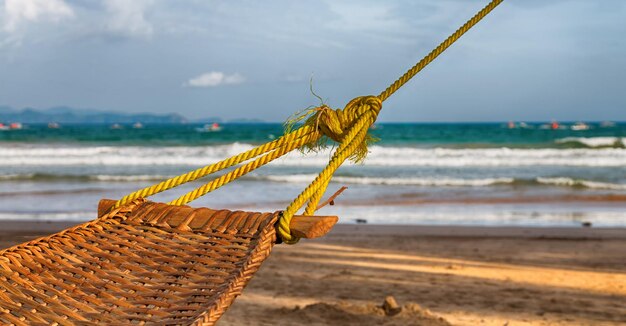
(142,262)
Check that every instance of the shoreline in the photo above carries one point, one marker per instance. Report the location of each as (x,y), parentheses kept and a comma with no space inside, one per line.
(9,228)
(472,231)
(13,232)
(440,275)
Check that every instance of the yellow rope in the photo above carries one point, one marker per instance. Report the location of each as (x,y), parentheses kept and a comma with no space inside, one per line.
(348,127)
(357,148)
(369,106)
(313,192)
(437,51)
(242,170)
(216,167)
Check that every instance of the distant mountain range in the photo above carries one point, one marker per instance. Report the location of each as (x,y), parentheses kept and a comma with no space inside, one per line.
(70,115)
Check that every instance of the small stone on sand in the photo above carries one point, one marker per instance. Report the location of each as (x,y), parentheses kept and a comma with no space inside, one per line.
(390,306)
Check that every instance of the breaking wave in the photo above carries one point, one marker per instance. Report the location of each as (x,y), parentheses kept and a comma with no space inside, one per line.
(71,177)
(379,156)
(452,182)
(577,183)
(436,182)
(47,216)
(306,178)
(593,142)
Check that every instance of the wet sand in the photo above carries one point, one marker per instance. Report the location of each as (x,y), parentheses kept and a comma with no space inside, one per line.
(439,274)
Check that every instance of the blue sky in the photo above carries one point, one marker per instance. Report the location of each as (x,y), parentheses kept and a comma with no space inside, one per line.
(529,60)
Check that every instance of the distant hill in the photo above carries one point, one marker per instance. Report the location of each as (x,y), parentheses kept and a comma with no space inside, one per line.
(80,116)
(208,120)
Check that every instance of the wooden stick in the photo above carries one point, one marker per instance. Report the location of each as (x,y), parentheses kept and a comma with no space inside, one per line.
(331,199)
(308,227)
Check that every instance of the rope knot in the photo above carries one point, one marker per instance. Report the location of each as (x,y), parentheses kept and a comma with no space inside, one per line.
(335,124)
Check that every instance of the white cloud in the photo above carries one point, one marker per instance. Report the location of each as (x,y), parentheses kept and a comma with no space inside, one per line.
(18,11)
(128,17)
(215,78)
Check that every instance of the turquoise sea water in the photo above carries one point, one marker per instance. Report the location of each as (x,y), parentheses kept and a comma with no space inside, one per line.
(453,135)
(487,174)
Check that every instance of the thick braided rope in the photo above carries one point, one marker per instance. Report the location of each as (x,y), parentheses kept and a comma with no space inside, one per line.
(437,51)
(209,169)
(357,110)
(349,127)
(314,192)
(316,187)
(353,139)
(244,169)
(334,119)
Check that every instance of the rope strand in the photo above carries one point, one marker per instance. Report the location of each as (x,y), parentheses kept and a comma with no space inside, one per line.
(437,51)
(242,170)
(349,127)
(216,167)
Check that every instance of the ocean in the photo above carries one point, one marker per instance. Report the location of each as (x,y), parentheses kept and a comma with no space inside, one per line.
(460,174)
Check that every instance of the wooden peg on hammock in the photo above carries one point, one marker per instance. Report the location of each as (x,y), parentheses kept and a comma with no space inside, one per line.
(301,226)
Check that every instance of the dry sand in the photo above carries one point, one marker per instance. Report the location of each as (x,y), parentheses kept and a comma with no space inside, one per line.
(440,275)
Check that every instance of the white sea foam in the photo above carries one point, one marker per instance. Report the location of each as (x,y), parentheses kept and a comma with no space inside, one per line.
(117,155)
(594,141)
(31,155)
(47,216)
(499,215)
(364,180)
(428,215)
(130,178)
(16,176)
(436,182)
(463,215)
(448,182)
(569,182)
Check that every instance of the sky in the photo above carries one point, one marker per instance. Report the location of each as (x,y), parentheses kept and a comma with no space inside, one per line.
(529,60)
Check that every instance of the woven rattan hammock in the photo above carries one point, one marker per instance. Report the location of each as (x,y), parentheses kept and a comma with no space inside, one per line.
(141,262)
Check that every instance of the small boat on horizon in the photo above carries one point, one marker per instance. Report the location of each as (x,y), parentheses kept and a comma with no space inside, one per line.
(11,126)
(520,125)
(580,126)
(116,126)
(554,125)
(607,124)
(137,125)
(214,127)
(53,125)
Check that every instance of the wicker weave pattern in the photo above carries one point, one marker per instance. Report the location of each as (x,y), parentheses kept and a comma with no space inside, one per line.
(143,263)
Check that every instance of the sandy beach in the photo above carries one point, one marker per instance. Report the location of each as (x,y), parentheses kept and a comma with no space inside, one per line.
(486,188)
(440,275)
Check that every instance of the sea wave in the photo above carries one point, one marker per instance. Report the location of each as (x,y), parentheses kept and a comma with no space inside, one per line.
(31,155)
(129,178)
(436,182)
(594,142)
(78,177)
(460,215)
(424,215)
(578,183)
(17,176)
(343,179)
(451,182)
(47,216)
